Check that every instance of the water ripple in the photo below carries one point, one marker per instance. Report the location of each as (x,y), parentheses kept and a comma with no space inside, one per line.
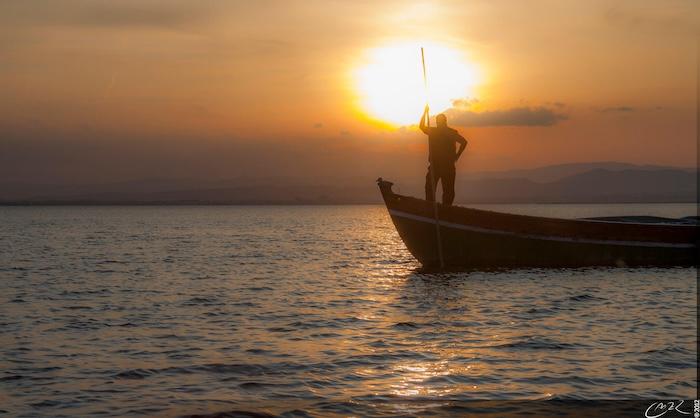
(312,311)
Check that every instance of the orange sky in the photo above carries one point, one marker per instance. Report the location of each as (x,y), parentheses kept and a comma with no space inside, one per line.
(115,90)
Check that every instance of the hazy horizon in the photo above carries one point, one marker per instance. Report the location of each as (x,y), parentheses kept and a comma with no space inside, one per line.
(602,182)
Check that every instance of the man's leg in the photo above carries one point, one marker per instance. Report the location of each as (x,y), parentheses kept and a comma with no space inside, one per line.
(429,189)
(448,184)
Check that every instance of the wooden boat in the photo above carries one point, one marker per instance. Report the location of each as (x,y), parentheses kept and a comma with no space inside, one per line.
(472,238)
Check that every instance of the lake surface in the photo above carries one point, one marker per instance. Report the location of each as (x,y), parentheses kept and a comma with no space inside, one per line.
(315,311)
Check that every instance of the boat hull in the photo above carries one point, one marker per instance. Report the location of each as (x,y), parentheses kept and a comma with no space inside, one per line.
(474,238)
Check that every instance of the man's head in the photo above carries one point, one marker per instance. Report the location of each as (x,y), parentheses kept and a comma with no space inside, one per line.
(441,120)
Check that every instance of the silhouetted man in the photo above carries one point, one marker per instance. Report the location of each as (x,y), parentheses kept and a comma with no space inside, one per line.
(442,158)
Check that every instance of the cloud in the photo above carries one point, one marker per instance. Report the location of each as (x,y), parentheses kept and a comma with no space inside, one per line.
(616,109)
(464,102)
(111,14)
(517,116)
(670,16)
(318,125)
(556,104)
(126,13)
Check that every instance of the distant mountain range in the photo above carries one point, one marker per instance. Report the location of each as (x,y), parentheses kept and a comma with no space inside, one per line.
(604,182)
(557,172)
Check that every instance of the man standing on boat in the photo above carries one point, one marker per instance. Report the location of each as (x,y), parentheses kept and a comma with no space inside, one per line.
(442,156)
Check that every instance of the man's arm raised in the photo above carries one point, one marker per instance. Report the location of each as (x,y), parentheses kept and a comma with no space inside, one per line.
(423,119)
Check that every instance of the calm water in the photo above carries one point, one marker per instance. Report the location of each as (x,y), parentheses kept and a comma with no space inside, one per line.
(315,311)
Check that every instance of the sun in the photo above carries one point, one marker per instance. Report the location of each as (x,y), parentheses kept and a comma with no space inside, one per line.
(389,81)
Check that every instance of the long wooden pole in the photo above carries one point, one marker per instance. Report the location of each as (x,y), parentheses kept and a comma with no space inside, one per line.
(432,168)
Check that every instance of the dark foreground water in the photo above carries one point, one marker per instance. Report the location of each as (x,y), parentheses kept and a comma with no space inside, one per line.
(319,311)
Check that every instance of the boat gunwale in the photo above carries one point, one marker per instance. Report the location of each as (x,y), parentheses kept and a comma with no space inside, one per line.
(545,218)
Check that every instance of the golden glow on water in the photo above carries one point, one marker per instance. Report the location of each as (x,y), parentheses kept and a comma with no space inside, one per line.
(389,81)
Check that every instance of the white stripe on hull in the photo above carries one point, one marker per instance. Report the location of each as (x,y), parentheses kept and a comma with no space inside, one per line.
(472,228)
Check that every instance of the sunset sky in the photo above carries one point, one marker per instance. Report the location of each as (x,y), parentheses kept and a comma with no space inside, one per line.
(95,91)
